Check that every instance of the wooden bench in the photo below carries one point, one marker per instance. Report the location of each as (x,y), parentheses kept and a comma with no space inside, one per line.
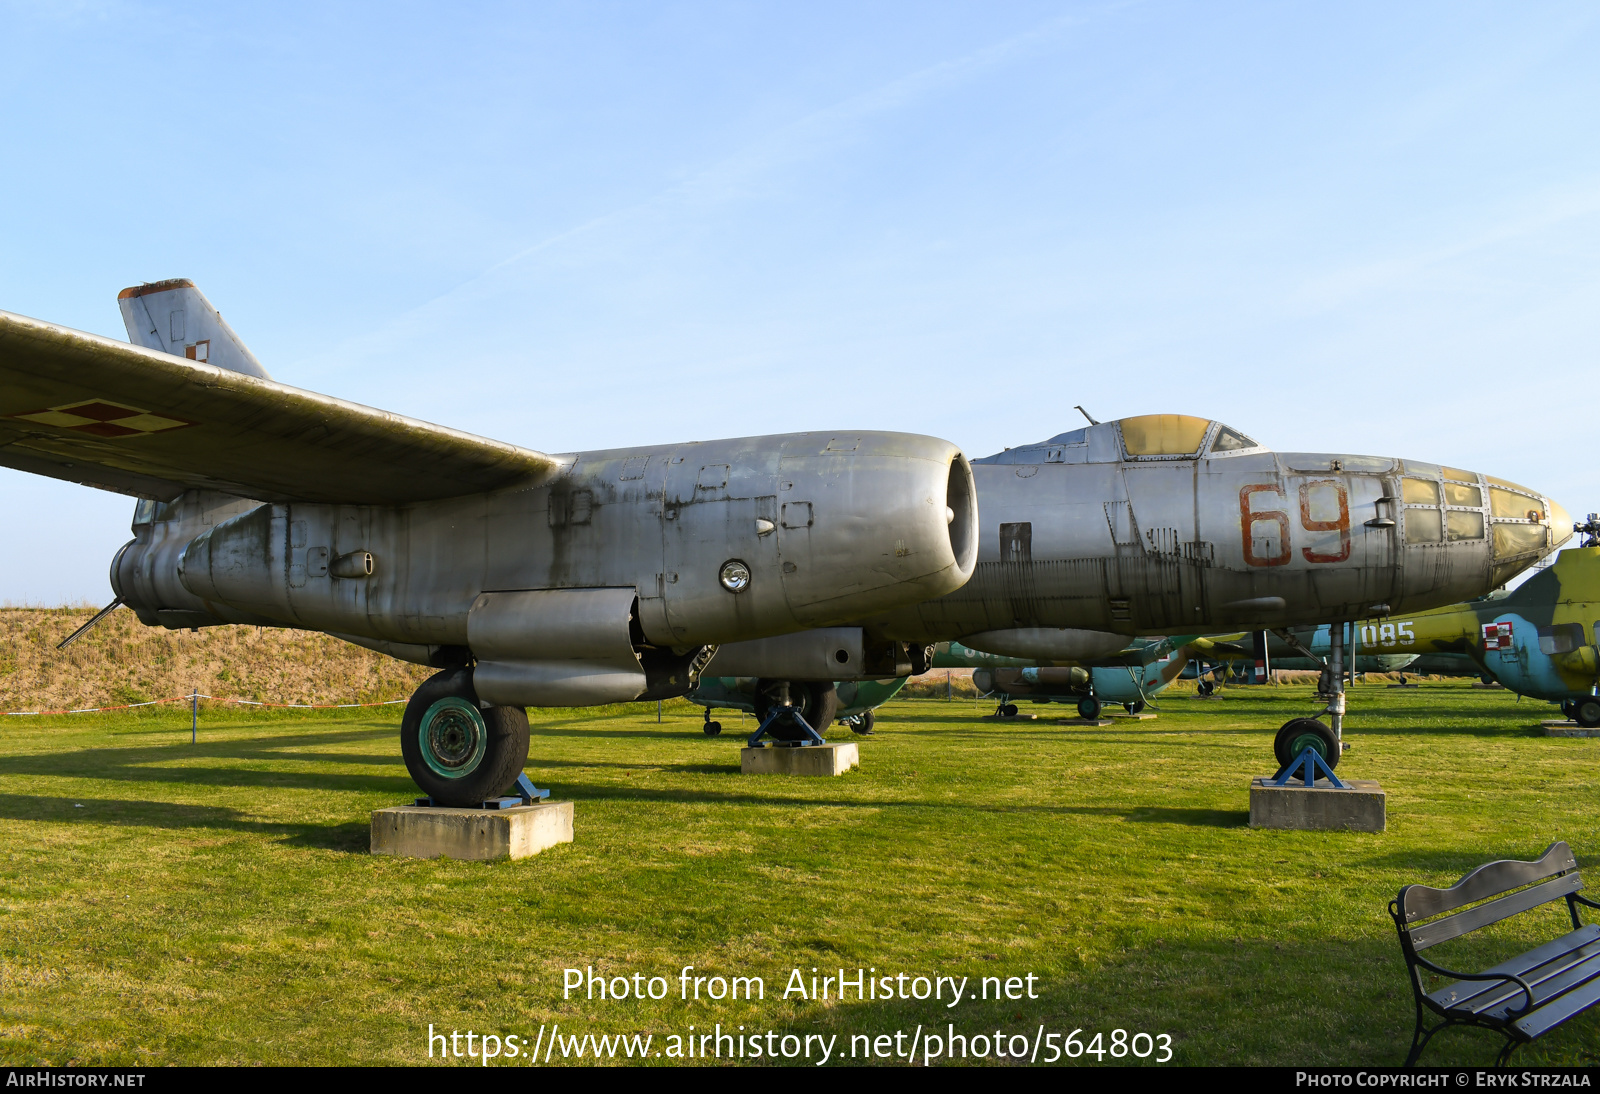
(1524,998)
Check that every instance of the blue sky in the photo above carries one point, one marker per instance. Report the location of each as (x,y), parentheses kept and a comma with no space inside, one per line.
(1359,227)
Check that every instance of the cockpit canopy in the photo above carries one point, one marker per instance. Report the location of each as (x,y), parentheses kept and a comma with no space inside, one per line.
(1143,438)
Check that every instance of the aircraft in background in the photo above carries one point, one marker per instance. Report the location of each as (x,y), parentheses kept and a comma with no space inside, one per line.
(855,700)
(1131,677)
(528,579)
(1542,639)
(1172,524)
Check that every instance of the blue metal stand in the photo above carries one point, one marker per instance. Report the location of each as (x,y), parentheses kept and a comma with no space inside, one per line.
(1307,766)
(523,792)
(811,737)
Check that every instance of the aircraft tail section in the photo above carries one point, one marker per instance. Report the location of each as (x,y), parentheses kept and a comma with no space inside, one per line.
(175,317)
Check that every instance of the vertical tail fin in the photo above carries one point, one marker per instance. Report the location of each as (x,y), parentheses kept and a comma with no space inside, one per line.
(175,317)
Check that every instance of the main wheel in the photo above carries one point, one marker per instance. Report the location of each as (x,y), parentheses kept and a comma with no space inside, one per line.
(1089,708)
(1205,687)
(1009,710)
(1587,712)
(817,700)
(459,752)
(1302,733)
(712,728)
(1134,707)
(863,725)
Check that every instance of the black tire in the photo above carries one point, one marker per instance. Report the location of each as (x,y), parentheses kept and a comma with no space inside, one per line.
(1569,709)
(1206,687)
(457,751)
(1089,709)
(1009,710)
(1587,712)
(818,702)
(863,725)
(1299,733)
(712,728)
(1134,707)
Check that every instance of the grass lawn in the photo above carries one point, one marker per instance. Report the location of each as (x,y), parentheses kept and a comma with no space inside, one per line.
(162,902)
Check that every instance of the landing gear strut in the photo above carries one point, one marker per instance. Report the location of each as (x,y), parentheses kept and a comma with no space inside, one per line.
(711,728)
(1298,734)
(458,750)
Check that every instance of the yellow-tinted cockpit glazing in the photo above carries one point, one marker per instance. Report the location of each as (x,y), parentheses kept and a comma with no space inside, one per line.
(1164,434)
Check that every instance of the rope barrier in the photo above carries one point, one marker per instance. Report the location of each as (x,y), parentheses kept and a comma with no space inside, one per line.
(195,696)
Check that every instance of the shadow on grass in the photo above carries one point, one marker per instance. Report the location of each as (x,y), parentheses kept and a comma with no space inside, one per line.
(348,836)
(170,763)
(596,792)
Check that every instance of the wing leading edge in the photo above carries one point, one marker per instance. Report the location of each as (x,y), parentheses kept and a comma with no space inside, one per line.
(104,413)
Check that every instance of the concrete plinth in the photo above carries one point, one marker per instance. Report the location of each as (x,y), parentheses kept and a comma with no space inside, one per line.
(1357,809)
(1558,727)
(1496,685)
(1124,716)
(1083,721)
(425,831)
(808,760)
(1008,718)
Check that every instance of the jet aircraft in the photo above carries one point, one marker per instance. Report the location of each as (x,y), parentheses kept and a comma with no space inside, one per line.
(528,579)
(1168,523)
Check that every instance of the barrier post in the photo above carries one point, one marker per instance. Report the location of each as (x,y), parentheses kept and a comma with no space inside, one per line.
(194,714)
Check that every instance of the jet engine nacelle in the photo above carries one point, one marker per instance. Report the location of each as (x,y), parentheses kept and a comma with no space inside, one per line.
(701,544)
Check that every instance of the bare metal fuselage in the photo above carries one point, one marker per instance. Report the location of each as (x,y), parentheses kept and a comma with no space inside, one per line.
(1084,536)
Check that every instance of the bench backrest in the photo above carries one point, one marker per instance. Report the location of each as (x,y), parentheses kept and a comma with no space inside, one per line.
(1555,872)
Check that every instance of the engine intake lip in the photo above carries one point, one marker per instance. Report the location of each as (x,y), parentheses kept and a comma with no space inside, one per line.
(961,499)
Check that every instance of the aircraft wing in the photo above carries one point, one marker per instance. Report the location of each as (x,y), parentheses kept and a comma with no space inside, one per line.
(104,413)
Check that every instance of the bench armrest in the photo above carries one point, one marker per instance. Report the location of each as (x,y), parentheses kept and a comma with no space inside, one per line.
(1506,976)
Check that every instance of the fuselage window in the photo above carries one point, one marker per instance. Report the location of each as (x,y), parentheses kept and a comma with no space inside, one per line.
(1560,638)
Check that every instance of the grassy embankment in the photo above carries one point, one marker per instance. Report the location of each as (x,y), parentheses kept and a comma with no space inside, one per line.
(169,903)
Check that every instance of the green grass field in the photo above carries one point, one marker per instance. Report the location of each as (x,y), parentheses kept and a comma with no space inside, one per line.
(162,902)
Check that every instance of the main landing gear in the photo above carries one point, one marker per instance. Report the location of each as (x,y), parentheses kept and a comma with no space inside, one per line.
(1585,711)
(861,724)
(794,712)
(460,751)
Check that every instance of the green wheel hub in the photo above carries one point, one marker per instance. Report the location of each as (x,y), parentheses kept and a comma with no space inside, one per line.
(1302,741)
(453,738)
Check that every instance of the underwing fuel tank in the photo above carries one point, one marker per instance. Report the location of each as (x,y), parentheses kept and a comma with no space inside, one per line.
(1167,523)
(664,551)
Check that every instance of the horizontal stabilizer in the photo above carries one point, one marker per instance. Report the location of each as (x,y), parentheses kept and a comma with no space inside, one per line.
(93,410)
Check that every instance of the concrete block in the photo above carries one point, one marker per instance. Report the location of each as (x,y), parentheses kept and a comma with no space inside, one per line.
(1559,727)
(1124,716)
(1360,808)
(1083,721)
(1008,718)
(423,831)
(809,760)
(1497,686)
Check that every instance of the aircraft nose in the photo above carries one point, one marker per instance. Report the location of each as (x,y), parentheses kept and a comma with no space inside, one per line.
(1560,523)
(1527,525)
